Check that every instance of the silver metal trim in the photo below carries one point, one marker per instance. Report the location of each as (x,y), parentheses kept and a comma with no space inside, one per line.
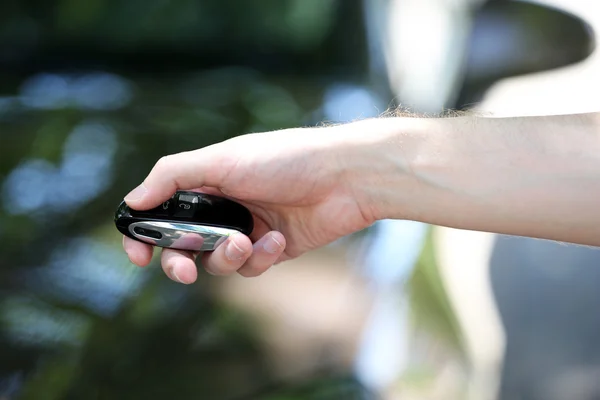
(183,236)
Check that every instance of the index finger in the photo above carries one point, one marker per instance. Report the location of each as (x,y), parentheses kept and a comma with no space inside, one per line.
(181,171)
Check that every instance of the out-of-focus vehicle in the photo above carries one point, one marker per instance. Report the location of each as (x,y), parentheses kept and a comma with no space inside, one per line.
(440,55)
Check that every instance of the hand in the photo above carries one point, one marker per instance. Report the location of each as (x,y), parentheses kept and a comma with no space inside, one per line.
(295,182)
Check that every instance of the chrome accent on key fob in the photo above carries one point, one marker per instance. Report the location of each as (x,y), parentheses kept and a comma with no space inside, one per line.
(187,221)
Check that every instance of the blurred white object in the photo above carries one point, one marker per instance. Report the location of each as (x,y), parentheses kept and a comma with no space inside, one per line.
(463,261)
(383,351)
(423,45)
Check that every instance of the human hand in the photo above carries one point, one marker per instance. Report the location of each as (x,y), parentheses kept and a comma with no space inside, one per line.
(297,184)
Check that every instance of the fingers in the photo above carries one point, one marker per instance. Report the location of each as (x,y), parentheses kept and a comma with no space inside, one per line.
(266,251)
(179,265)
(229,256)
(236,254)
(182,171)
(139,253)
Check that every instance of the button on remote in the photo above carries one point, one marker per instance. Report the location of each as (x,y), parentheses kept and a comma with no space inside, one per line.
(188,198)
(166,208)
(186,205)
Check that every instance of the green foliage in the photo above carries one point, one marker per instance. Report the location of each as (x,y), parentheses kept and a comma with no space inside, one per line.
(134,23)
(162,339)
(77,321)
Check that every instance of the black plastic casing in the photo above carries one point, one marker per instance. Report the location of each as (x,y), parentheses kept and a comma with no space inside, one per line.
(209,210)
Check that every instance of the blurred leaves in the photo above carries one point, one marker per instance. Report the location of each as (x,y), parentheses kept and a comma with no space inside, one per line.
(79,322)
(183,23)
(93,93)
(160,339)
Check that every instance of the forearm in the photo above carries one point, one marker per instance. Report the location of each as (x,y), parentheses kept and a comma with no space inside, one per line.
(537,176)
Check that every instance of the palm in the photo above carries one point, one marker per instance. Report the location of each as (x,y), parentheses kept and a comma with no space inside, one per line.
(289,192)
(307,227)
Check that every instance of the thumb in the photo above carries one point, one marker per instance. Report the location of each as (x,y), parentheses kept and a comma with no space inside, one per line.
(181,171)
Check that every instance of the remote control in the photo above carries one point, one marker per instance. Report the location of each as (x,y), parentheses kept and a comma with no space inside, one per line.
(187,221)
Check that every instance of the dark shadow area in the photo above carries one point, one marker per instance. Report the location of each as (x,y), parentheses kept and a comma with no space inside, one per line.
(511,38)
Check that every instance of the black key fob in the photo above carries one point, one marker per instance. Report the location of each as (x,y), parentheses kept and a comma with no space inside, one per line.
(187,221)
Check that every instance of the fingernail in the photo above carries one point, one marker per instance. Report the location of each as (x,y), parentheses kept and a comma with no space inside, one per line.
(233,251)
(272,245)
(175,275)
(136,193)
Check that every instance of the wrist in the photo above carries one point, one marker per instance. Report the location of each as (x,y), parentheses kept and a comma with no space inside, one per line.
(385,160)
(533,176)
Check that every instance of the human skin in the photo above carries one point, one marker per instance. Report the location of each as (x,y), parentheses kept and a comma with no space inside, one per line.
(306,187)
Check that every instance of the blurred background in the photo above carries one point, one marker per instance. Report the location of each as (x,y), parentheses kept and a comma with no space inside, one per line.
(93,93)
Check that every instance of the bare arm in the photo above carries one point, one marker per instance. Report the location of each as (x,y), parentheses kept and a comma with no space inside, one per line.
(534,176)
(537,177)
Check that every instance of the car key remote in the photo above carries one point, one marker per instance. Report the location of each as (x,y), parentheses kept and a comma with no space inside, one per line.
(187,221)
